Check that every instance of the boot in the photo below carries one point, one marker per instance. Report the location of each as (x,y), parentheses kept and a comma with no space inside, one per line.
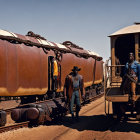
(77,116)
(72,118)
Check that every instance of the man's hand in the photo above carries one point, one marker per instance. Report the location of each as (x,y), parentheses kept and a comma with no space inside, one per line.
(65,98)
(83,97)
(138,83)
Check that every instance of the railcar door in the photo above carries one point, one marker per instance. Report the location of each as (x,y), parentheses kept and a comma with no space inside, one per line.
(50,72)
(54,81)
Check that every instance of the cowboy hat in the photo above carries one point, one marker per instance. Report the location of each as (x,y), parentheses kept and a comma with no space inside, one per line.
(75,68)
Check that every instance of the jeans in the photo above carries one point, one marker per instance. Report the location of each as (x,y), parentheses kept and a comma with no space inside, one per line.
(75,98)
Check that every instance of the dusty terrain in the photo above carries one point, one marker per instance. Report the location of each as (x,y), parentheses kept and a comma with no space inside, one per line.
(93,125)
(8,104)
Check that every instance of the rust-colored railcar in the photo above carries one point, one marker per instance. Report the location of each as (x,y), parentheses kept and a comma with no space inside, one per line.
(25,64)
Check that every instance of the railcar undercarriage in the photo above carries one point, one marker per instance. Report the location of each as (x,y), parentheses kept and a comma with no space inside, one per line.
(38,110)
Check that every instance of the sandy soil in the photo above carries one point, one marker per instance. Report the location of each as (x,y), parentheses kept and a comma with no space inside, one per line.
(93,125)
(8,104)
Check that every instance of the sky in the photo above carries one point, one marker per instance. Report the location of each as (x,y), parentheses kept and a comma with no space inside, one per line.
(87,23)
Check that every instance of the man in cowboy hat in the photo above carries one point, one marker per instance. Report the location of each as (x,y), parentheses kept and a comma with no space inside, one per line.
(74,84)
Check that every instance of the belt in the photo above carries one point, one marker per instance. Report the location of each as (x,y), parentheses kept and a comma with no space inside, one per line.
(75,89)
(132,78)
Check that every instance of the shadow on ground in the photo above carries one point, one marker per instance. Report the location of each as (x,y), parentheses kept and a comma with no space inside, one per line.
(99,123)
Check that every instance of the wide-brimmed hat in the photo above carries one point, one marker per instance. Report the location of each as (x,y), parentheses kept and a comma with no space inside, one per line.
(75,68)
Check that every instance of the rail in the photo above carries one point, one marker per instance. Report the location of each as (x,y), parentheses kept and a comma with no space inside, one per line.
(112,75)
(14,127)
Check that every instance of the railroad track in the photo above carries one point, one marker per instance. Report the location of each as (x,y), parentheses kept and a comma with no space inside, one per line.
(26,124)
(14,126)
(96,97)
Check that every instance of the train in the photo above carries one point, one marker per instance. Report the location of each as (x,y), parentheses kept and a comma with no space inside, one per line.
(26,69)
(123,42)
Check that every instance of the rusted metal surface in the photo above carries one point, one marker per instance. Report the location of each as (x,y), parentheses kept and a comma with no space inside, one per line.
(30,43)
(13,127)
(8,111)
(98,72)
(24,62)
(34,110)
(45,111)
(86,65)
(41,112)
(26,66)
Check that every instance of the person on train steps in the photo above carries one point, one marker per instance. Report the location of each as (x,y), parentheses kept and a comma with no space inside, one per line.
(131,76)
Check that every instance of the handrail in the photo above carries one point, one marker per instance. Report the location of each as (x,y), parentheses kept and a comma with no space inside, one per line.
(116,66)
(111,81)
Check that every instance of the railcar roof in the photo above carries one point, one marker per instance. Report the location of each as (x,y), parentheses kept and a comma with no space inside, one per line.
(93,53)
(6,33)
(128,30)
(29,40)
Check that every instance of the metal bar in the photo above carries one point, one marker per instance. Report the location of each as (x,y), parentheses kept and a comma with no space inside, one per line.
(105,106)
(14,126)
(116,66)
(108,107)
(105,87)
(136,46)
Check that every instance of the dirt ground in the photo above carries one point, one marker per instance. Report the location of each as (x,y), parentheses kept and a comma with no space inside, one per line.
(8,104)
(93,125)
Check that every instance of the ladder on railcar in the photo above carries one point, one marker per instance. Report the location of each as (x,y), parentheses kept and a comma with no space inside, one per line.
(110,82)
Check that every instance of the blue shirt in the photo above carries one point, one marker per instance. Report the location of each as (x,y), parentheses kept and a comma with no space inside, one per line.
(76,81)
(135,66)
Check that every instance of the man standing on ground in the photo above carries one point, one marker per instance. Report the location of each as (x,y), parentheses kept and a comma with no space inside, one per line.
(73,87)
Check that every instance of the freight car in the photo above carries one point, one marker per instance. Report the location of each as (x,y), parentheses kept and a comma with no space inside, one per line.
(26,68)
(123,42)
